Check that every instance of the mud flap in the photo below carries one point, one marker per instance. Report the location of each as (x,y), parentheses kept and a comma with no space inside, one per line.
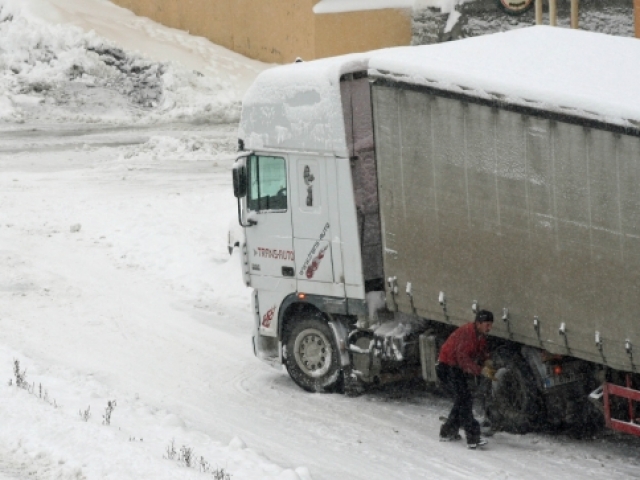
(428,358)
(340,335)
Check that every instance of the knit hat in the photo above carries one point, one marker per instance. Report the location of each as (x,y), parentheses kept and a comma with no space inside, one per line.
(484,316)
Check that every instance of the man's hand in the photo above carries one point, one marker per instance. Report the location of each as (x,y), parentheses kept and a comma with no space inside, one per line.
(489,372)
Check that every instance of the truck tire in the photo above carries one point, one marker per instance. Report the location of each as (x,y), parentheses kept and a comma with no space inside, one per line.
(311,355)
(514,403)
(515,7)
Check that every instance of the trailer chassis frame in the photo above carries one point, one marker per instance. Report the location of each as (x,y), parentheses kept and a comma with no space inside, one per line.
(611,389)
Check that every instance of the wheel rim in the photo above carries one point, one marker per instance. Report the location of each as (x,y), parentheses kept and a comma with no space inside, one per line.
(313,353)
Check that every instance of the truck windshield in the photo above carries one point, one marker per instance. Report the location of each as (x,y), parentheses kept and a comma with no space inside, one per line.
(267,183)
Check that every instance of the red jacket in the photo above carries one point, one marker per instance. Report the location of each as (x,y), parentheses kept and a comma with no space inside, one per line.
(465,349)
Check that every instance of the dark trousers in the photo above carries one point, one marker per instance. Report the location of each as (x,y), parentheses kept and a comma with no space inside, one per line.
(454,381)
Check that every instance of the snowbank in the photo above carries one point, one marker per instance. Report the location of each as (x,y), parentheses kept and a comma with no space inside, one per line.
(56,426)
(60,73)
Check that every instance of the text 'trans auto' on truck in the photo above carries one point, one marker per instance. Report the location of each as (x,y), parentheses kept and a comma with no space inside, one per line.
(386,195)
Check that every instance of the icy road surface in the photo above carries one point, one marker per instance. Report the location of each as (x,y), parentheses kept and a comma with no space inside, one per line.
(117,285)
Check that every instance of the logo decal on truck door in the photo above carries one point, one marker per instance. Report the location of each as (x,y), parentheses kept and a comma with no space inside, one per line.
(315,263)
(267,317)
(306,269)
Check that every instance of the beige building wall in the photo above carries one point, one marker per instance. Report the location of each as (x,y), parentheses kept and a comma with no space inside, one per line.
(274,30)
(279,30)
(208,18)
(636,10)
(361,31)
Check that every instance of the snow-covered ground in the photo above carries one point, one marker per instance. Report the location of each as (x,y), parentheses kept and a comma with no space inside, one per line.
(116,284)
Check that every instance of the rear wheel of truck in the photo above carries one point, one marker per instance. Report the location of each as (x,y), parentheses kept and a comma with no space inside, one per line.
(311,355)
(513,404)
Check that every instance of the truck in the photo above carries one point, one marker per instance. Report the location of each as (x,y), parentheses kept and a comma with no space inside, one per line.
(386,196)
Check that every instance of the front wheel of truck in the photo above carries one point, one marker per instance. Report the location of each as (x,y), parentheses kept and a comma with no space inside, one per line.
(311,356)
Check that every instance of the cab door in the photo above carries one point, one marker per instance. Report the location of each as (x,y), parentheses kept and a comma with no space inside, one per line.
(268,233)
(316,229)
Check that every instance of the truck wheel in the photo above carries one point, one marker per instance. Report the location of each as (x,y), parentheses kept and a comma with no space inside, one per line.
(311,356)
(514,402)
(515,7)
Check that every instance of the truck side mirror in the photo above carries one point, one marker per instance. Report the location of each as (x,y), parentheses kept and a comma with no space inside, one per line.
(239,180)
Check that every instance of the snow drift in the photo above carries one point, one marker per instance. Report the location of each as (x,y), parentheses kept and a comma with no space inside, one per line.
(61,73)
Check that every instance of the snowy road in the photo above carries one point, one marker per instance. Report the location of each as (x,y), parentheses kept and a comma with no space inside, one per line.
(117,283)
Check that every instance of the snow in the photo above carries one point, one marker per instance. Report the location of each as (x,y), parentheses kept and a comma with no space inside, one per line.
(338,6)
(64,73)
(567,71)
(571,71)
(156,42)
(305,102)
(117,285)
(343,6)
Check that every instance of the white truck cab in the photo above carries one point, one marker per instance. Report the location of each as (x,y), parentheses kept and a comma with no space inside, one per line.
(305,229)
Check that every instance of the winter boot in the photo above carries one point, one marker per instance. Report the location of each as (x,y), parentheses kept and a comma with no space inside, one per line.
(475,442)
(449,435)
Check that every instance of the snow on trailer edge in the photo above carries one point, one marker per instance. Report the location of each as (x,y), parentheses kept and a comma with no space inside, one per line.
(591,75)
(585,74)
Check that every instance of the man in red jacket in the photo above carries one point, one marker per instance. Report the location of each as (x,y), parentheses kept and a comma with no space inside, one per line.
(465,352)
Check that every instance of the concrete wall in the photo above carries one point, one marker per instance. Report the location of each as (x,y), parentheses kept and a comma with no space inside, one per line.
(279,30)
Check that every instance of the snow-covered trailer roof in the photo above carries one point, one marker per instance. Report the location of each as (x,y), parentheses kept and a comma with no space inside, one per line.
(570,72)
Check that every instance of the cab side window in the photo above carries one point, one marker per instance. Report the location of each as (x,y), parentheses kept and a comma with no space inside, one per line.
(267,183)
